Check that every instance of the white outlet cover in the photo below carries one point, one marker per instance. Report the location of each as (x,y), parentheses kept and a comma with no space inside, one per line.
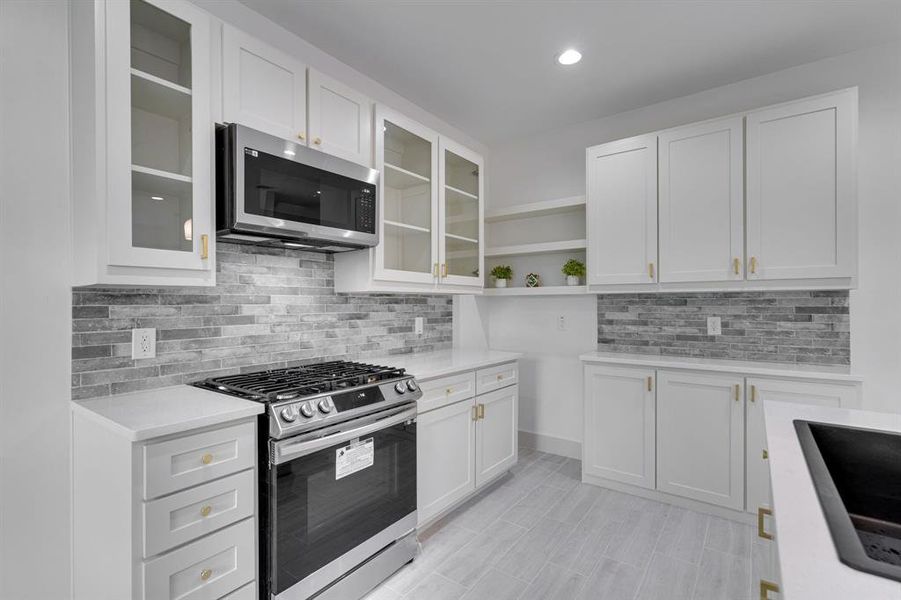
(714,326)
(418,325)
(143,343)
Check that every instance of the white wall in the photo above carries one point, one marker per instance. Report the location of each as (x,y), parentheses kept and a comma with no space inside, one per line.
(35,301)
(551,165)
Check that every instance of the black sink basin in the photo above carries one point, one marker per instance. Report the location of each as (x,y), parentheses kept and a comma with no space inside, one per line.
(857,476)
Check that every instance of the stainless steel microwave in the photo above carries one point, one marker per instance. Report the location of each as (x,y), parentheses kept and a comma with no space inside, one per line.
(271,191)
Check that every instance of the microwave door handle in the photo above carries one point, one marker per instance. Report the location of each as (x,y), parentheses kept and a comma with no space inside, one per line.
(286,450)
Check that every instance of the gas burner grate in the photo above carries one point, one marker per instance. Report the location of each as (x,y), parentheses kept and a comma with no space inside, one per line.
(298,382)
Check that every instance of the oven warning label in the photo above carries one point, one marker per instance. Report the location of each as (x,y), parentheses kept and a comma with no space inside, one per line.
(353,458)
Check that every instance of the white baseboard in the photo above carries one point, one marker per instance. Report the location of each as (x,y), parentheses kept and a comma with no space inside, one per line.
(550,444)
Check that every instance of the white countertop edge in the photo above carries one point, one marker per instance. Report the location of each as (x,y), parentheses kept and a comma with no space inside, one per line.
(725,366)
(808,561)
(425,366)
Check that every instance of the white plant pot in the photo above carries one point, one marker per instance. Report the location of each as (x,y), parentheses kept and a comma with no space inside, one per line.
(500,283)
(572,280)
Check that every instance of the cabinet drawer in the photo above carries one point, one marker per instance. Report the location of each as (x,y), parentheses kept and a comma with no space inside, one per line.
(495,378)
(446,390)
(248,592)
(180,463)
(208,568)
(187,515)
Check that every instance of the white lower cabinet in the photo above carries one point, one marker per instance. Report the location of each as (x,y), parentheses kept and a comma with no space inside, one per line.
(782,390)
(620,426)
(445,457)
(463,443)
(700,437)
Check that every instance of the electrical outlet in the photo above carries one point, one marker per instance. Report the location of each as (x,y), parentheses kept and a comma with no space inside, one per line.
(714,326)
(417,327)
(143,343)
(561,323)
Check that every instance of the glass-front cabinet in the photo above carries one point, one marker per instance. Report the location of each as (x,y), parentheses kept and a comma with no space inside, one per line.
(152,131)
(431,208)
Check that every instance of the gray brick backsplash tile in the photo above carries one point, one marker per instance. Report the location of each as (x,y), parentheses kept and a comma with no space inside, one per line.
(271,308)
(811,327)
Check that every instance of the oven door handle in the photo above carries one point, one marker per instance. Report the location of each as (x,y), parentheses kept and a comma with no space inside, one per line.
(286,450)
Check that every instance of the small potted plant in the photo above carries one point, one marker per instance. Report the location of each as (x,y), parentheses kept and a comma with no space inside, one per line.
(501,274)
(573,269)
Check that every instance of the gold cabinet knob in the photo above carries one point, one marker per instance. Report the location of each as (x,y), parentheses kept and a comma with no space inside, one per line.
(449,390)
(206,458)
(301,136)
(317,141)
(206,574)
(206,510)
(499,377)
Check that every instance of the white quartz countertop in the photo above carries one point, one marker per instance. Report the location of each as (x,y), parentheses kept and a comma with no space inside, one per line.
(763,369)
(153,413)
(808,560)
(429,365)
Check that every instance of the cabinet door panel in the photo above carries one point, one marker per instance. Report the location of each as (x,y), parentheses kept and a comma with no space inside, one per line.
(445,457)
(340,119)
(263,88)
(701,202)
(700,437)
(461,210)
(802,205)
(496,432)
(619,439)
(622,211)
(779,390)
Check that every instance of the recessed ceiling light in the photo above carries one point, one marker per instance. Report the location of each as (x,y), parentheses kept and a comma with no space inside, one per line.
(156,197)
(569,57)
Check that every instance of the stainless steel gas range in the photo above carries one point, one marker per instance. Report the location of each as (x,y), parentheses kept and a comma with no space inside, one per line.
(338,499)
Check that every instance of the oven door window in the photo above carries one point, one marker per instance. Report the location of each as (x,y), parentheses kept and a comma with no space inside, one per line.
(279,188)
(322,506)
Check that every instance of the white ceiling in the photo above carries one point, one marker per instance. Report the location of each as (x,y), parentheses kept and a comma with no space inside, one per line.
(488,67)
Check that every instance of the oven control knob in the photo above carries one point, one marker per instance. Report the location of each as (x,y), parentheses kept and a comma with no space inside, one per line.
(325,406)
(289,414)
(306,410)
(400,387)
(411,385)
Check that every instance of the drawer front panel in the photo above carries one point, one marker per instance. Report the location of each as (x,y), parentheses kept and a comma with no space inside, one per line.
(495,378)
(187,515)
(208,568)
(248,592)
(446,390)
(183,462)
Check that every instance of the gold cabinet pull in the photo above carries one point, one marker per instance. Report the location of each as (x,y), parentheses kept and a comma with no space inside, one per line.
(651,270)
(204,246)
(481,411)
(650,383)
(765,454)
(475,412)
(443,269)
(206,510)
(301,136)
(736,266)
(766,587)
(435,270)
(737,392)
(500,377)
(449,391)
(752,265)
(206,458)
(317,141)
(753,393)
(206,574)
(761,514)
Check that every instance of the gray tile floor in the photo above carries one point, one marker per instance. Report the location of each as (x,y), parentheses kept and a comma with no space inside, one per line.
(541,534)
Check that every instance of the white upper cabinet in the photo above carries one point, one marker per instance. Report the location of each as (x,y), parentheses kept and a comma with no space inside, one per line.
(460,215)
(700,437)
(701,202)
(622,211)
(263,88)
(340,119)
(142,121)
(802,196)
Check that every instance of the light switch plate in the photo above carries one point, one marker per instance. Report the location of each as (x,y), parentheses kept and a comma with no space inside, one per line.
(714,326)
(418,325)
(143,343)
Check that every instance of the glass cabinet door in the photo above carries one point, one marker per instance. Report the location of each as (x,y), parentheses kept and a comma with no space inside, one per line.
(407,156)
(160,202)
(461,209)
